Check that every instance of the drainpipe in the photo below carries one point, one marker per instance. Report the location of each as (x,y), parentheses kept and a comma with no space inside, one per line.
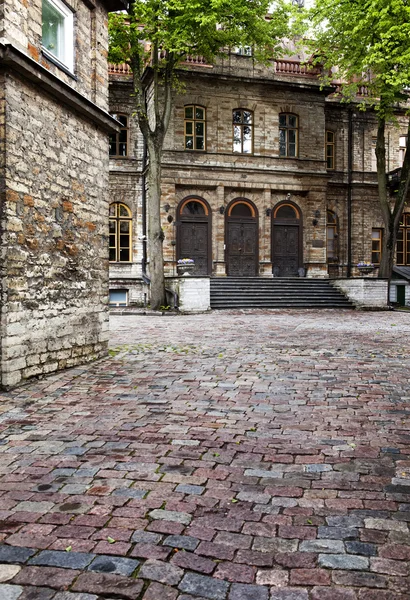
(349,191)
(144,210)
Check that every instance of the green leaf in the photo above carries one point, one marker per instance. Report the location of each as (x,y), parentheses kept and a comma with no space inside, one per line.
(68,549)
(110,540)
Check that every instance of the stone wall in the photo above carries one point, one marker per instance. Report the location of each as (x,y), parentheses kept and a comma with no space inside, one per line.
(22,26)
(365,292)
(54,236)
(194,293)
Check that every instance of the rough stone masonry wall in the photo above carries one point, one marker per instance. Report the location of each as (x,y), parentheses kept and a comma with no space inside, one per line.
(54,237)
(23,29)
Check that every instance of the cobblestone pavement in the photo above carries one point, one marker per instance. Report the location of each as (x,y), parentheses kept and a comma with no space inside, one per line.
(228,456)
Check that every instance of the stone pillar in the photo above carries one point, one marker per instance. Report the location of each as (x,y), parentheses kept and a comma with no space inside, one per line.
(265,236)
(314,232)
(218,235)
(168,199)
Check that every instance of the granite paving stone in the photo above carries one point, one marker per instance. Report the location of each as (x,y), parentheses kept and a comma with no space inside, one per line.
(226,456)
(67,560)
(10,592)
(113,564)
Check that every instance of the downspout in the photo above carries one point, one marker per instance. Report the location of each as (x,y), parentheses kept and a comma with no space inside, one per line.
(349,191)
(144,209)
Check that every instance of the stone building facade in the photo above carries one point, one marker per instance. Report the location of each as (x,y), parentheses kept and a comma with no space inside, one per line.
(264,174)
(54,128)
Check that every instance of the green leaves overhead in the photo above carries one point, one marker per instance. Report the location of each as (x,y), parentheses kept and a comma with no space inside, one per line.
(365,42)
(199,27)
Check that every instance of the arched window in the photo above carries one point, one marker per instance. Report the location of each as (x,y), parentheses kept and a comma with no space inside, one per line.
(288,135)
(286,211)
(119,141)
(332,237)
(195,127)
(242,123)
(120,233)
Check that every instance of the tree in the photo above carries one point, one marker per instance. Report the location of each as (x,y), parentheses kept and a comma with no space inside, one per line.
(154,38)
(368,43)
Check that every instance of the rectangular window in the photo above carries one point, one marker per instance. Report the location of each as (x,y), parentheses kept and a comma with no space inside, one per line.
(118,297)
(330,150)
(288,135)
(374,159)
(57,32)
(377,240)
(402,149)
(195,128)
(119,141)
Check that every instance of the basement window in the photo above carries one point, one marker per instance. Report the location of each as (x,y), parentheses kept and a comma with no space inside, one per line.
(118,297)
(57,32)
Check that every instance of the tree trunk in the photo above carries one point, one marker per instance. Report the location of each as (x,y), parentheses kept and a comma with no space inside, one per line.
(391,216)
(155,232)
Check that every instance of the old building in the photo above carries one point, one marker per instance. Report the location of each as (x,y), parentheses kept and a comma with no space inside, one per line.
(264,174)
(54,128)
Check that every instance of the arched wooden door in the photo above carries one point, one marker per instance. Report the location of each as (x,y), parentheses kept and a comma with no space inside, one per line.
(194,234)
(286,240)
(241,239)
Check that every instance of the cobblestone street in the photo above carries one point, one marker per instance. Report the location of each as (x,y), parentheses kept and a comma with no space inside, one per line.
(228,456)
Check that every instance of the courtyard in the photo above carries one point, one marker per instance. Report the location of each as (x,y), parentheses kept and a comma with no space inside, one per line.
(237,455)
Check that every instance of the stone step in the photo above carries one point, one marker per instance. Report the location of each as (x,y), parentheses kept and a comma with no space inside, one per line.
(253,292)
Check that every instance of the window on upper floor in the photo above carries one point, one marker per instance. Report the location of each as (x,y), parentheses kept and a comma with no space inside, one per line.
(57,32)
(242,124)
(288,135)
(377,241)
(374,158)
(402,149)
(330,150)
(243,50)
(120,233)
(195,127)
(119,141)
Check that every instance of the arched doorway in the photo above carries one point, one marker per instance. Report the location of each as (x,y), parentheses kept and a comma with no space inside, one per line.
(194,233)
(241,239)
(286,240)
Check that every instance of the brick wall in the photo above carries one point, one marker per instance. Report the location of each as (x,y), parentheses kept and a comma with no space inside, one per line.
(54,225)
(22,27)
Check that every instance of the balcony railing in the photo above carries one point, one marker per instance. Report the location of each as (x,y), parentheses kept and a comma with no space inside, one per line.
(122,69)
(282,67)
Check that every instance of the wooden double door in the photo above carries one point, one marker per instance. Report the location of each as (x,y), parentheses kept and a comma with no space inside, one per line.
(286,241)
(194,234)
(242,240)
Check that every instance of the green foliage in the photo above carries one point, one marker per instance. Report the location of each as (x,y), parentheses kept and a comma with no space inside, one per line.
(368,42)
(197,27)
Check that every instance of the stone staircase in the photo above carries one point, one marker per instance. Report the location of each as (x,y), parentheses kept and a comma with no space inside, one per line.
(279,292)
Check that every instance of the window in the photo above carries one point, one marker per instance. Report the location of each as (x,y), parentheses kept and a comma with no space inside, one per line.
(242,123)
(119,141)
(403,241)
(332,237)
(244,50)
(377,240)
(330,150)
(374,158)
(118,297)
(288,135)
(57,32)
(120,233)
(402,149)
(195,128)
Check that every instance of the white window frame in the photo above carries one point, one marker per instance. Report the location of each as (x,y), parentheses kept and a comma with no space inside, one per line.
(68,35)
